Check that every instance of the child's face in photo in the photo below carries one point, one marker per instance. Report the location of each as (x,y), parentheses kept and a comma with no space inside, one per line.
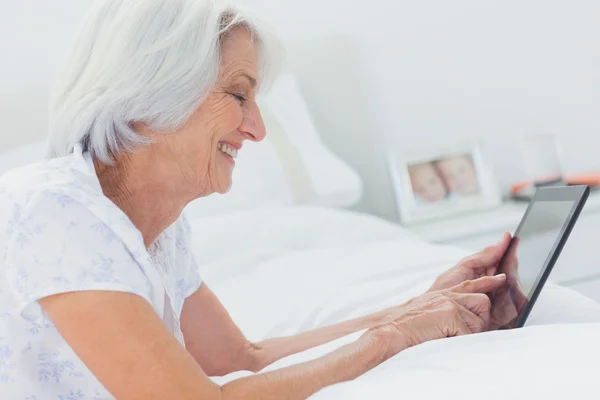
(459,174)
(426,182)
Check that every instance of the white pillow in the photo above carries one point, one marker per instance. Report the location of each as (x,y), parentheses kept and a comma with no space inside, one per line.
(334,182)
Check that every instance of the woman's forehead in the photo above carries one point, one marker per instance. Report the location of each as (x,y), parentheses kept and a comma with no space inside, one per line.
(239,55)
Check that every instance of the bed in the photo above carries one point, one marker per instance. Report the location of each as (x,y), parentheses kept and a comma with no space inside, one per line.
(283,270)
(285,253)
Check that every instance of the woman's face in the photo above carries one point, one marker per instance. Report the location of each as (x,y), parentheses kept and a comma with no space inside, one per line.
(205,149)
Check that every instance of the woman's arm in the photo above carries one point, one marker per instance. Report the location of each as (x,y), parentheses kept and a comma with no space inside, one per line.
(220,347)
(211,336)
(302,380)
(127,347)
(267,352)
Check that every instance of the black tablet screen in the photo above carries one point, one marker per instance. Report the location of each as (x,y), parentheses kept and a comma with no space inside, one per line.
(526,258)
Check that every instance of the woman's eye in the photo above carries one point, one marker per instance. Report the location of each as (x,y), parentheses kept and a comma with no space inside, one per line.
(240,99)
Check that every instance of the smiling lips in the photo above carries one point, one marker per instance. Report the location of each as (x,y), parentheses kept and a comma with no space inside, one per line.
(228,149)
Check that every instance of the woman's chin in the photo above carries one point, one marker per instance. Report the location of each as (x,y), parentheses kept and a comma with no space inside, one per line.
(225,187)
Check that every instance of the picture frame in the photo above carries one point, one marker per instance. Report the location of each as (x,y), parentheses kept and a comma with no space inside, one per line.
(443,182)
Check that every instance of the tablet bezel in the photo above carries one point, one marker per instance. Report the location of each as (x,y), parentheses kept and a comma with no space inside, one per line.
(577,194)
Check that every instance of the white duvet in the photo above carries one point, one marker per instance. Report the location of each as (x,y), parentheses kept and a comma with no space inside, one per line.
(287,270)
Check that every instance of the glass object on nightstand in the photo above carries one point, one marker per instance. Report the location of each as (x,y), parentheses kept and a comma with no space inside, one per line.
(542,159)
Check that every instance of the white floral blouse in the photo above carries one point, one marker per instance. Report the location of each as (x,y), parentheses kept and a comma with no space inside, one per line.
(59,233)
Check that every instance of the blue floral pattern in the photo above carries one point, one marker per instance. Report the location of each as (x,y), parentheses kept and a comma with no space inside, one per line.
(53,367)
(38,323)
(72,395)
(7,367)
(59,233)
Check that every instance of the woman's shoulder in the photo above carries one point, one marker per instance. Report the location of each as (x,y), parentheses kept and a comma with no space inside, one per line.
(58,191)
(22,184)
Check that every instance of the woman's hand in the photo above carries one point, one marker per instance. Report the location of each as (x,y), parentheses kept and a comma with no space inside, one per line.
(483,263)
(460,310)
(509,302)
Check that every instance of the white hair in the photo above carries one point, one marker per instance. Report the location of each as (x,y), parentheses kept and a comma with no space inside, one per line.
(151,61)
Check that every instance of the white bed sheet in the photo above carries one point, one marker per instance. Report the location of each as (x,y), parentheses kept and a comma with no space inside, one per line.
(286,270)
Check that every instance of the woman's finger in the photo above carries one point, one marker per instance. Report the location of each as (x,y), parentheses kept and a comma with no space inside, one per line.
(519,298)
(477,303)
(510,264)
(473,320)
(503,309)
(488,257)
(481,285)
(460,328)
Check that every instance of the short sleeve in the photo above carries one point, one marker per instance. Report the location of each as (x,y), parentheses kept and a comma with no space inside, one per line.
(60,246)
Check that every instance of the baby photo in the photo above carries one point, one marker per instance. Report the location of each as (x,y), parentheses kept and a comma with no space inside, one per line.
(443,179)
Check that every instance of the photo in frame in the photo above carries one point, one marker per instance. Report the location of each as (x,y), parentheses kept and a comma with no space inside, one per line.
(442,183)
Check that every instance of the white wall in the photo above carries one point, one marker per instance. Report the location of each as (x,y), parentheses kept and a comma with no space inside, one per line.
(384,73)
(34,36)
(430,71)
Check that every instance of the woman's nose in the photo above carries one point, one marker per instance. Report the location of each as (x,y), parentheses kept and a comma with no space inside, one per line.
(254,125)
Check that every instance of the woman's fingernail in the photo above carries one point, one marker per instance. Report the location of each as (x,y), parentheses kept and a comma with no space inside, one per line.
(501,276)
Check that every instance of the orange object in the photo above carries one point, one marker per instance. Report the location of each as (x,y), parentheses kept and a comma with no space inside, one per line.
(589,178)
(516,188)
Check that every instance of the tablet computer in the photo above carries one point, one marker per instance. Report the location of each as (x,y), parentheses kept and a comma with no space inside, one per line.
(533,251)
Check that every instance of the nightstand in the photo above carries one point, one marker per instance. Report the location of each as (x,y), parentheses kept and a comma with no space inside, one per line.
(578,266)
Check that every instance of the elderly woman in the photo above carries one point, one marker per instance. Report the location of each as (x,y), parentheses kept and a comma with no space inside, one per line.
(100,296)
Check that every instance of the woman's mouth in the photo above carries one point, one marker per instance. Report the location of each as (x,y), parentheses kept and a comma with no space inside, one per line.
(227,149)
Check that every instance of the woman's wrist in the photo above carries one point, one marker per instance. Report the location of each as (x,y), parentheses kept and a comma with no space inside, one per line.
(391,338)
(366,353)
(302,380)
